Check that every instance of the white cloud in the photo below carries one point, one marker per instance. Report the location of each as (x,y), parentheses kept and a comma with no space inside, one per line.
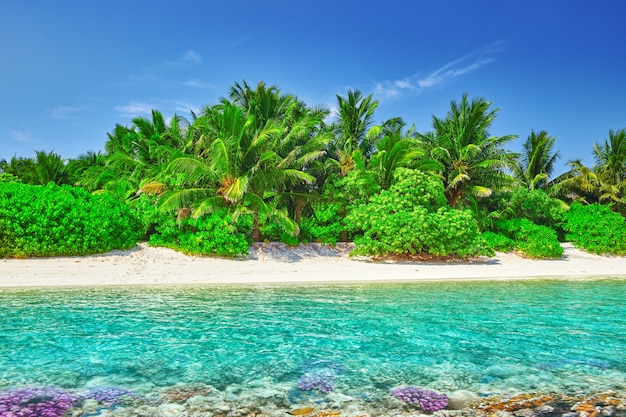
(166,107)
(417,83)
(64,112)
(194,83)
(21,136)
(135,109)
(192,56)
(182,108)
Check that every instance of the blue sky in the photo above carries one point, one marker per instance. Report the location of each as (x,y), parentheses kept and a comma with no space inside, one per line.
(71,70)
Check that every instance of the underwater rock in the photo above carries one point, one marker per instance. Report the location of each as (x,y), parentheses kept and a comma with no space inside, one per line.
(337,400)
(458,400)
(505,371)
(181,393)
(525,412)
(171,410)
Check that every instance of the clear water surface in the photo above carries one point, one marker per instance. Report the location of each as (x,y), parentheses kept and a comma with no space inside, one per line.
(487,337)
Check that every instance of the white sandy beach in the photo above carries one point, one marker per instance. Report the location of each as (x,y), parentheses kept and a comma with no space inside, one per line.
(277,264)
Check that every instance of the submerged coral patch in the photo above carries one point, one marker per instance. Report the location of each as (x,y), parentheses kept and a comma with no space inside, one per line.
(35,402)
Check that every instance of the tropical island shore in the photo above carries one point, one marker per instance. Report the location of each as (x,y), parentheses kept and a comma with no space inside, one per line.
(274,263)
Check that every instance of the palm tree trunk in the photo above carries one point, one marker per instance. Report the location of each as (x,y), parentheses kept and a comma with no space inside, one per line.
(453,195)
(299,206)
(256,235)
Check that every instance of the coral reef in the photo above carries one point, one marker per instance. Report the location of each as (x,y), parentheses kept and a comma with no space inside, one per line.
(109,396)
(181,393)
(323,380)
(35,402)
(428,400)
(603,404)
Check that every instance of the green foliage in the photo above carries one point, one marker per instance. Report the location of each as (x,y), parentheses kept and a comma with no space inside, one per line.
(412,218)
(340,196)
(532,240)
(536,206)
(498,242)
(214,234)
(596,228)
(57,220)
(326,225)
(352,189)
(472,159)
(275,232)
(146,210)
(5,177)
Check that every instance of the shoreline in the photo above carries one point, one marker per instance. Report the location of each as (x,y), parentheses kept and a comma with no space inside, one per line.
(275,263)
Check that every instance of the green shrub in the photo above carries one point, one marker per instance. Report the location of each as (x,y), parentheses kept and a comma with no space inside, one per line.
(498,242)
(146,210)
(538,207)
(532,240)
(596,228)
(4,177)
(213,234)
(274,232)
(411,218)
(326,223)
(57,220)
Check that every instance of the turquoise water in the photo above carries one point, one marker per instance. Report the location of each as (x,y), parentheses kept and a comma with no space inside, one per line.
(486,337)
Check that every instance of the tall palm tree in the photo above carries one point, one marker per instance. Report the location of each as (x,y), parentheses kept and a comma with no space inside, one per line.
(17,166)
(48,167)
(137,155)
(303,149)
(533,168)
(473,161)
(605,182)
(398,149)
(241,163)
(610,166)
(84,169)
(354,140)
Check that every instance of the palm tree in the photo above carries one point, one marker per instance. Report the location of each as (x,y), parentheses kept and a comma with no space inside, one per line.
(472,160)
(610,166)
(17,166)
(354,141)
(535,165)
(605,182)
(397,149)
(244,157)
(303,149)
(85,168)
(47,167)
(580,183)
(137,156)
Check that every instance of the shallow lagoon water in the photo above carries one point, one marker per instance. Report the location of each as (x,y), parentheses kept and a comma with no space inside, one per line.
(502,337)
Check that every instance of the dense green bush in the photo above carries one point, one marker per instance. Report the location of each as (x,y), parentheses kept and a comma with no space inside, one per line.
(57,220)
(412,218)
(498,242)
(274,232)
(4,177)
(326,220)
(537,206)
(532,240)
(212,234)
(521,203)
(325,224)
(596,228)
(146,210)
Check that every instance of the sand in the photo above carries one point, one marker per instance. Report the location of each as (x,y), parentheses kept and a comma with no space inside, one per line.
(274,263)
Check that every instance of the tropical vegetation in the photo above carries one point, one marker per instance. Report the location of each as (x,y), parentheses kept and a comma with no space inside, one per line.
(260,165)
